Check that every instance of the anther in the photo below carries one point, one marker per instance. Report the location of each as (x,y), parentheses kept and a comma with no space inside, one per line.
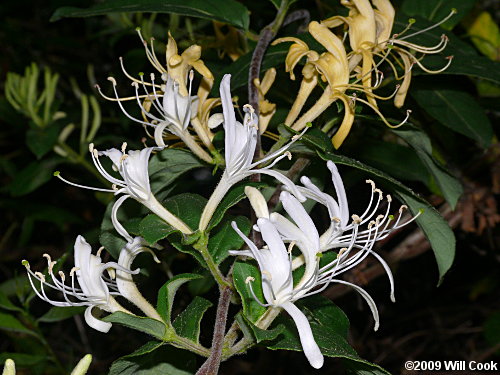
(249,279)
(40,276)
(389,198)
(112,80)
(372,184)
(124,147)
(267,274)
(91,147)
(62,276)
(336,219)
(356,219)
(288,155)
(73,271)
(402,208)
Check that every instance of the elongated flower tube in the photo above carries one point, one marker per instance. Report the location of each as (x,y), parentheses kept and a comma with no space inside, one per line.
(240,141)
(133,168)
(93,289)
(124,281)
(277,284)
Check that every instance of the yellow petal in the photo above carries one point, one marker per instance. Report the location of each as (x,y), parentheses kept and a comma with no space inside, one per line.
(400,97)
(384,20)
(346,125)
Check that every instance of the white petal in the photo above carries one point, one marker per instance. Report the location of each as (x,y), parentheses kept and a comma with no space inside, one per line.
(158,135)
(340,190)
(284,180)
(95,323)
(114,219)
(311,349)
(299,215)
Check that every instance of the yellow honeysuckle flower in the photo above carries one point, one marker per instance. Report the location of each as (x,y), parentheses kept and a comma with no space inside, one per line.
(266,108)
(178,66)
(231,42)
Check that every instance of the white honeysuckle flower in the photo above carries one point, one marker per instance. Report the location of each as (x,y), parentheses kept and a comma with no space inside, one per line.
(124,281)
(172,110)
(93,290)
(133,168)
(277,284)
(240,141)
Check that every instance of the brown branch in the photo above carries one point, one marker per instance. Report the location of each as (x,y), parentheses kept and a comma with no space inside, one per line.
(211,365)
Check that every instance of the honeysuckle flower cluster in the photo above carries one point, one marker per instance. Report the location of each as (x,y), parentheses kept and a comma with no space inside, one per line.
(169,109)
(92,287)
(369,29)
(354,245)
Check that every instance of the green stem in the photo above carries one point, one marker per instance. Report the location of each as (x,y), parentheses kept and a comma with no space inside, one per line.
(184,343)
(202,246)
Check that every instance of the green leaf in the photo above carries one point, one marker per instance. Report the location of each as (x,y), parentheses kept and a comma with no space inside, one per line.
(168,164)
(430,221)
(154,229)
(260,335)
(330,342)
(6,304)
(399,161)
(112,242)
(458,111)
(56,313)
(23,360)
(226,238)
(167,292)
(187,207)
(10,323)
(436,229)
(325,313)
(236,194)
(150,360)
(241,271)
(319,140)
(187,323)
(420,142)
(41,141)
(150,326)
(435,11)
(229,11)
(32,177)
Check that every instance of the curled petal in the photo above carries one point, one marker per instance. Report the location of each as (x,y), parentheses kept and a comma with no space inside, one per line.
(95,323)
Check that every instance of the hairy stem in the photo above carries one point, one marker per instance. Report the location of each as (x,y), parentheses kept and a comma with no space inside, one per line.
(211,365)
(202,246)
